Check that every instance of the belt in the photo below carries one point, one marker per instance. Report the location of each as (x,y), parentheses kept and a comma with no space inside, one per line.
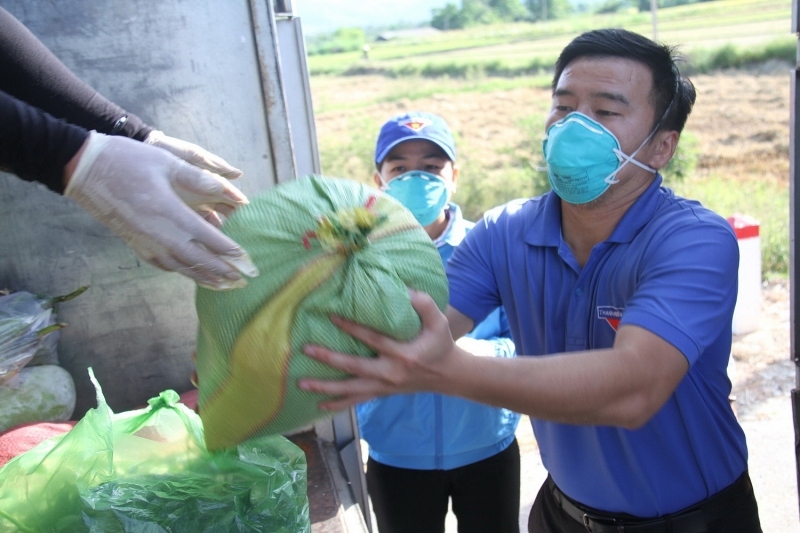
(693,519)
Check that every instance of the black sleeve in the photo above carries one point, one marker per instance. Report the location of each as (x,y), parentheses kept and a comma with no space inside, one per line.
(35,145)
(30,72)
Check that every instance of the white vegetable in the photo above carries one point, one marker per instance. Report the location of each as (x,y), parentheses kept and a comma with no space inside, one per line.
(44,393)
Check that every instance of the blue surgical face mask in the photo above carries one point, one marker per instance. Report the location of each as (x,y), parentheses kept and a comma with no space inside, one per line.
(422,193)
(583,158)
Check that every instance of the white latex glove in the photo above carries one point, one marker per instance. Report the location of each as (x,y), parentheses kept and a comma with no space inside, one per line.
(151,200)
(193,154)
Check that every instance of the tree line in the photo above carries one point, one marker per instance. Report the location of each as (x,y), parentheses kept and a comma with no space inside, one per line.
(477,12)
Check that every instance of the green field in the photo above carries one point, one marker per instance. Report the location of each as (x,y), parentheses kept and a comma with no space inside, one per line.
(522,47)
(491,83)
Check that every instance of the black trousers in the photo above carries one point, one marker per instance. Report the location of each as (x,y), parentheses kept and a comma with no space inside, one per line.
(547,516)
(485,496)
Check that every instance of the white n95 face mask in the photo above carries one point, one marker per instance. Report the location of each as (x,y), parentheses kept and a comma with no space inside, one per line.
(583,158)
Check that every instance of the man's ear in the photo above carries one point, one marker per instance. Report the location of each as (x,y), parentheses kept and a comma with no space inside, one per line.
(376,177)
(663,148)
(455,179)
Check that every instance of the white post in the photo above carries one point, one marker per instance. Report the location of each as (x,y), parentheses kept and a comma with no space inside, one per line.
(654,13)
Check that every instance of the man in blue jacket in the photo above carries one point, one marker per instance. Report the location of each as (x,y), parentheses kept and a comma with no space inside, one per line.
(426,448)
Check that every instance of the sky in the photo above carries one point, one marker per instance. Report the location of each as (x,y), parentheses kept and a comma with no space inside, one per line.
(323,16)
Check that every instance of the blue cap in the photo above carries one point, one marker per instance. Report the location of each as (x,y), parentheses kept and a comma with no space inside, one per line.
(415,125)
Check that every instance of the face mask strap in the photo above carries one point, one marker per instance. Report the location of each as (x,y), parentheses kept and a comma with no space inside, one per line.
(625,159)
(663,116)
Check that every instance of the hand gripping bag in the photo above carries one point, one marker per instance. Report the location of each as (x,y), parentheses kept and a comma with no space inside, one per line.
(324,246)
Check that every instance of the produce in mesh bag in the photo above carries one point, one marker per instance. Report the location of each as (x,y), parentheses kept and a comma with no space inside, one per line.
(148,471)
(28,330)
(324,246)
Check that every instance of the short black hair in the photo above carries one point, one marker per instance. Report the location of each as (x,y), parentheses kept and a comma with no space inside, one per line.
(669,87)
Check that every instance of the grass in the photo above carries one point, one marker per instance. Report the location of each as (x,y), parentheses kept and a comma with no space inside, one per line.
(484,182)
(416,88)
(351,155)
(495,59)
(520,48)
(767,202)
(481,186)
(732,56)
(511,171)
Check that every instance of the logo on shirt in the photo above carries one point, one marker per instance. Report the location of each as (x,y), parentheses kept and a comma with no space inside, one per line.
(612,315)
(416,124)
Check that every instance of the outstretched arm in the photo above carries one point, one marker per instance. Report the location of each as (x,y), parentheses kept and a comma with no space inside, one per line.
(34,75)
(35,145)
(164,208)
(622,386)
(151,199)
(148,196)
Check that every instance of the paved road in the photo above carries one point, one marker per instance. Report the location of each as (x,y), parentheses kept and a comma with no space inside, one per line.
(770,438)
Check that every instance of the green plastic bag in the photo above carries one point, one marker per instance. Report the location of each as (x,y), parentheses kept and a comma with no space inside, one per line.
(147,471)
(324,246)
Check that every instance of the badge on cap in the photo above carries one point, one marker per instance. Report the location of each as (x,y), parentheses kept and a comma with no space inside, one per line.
(416,124)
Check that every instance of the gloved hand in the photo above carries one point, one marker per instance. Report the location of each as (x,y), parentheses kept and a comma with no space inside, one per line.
(151,200)
(193,154)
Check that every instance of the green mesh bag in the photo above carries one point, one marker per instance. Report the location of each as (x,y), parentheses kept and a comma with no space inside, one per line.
(324,246)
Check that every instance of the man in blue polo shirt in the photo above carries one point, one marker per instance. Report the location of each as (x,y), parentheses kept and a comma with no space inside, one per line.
(619,294)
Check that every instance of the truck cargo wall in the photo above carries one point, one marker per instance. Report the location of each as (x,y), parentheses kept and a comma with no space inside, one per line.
(191,69)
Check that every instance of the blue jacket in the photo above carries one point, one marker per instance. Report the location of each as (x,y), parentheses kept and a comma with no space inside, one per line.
(427,431)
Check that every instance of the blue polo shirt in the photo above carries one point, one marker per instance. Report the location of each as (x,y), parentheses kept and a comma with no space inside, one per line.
(670,267)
